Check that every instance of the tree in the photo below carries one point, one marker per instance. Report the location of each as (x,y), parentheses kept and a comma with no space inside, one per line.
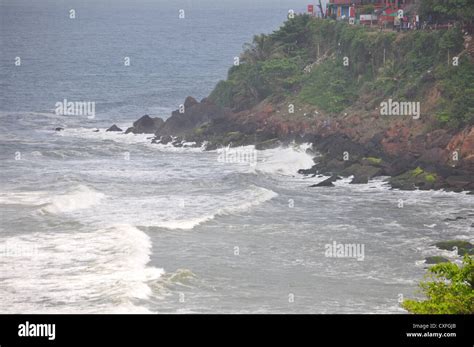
(450,290)
(258,50)
(445,10)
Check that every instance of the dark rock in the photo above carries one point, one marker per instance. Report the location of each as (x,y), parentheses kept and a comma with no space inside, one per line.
(433,155)
(211,146)
(398,166)
(374,145)
(453,219)
(195,116)
(312,171)
(114,128)
(165,139)
(336,145)
(269,144)
(189,102)
(146,125)
(332,166)
(96,130)
(436,260)
(461,182)
(463,247)
(439,138)
(417,178)
(58,129)
(360,180)
(327,183)
(362,173)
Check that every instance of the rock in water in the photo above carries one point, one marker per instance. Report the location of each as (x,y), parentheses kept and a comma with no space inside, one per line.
(463,247)
(146,125)
(59,129)
(327,183)
(195,114)
(436,260)
(114,128)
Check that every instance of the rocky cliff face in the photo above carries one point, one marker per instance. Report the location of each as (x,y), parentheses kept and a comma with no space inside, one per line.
(412,154)
(193,115)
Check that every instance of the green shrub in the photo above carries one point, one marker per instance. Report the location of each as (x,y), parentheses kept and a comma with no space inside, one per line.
(449,290)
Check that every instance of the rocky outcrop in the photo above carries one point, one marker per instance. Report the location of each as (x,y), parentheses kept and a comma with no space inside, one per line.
(114,128)
(462,247)
(436,260)
(146,125)
(195,114)
(413,154)
(327,182)
(164,140)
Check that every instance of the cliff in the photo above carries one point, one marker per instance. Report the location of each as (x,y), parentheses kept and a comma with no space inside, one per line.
(372,102)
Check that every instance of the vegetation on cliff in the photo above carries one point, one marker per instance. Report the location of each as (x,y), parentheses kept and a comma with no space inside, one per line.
(333,65)
(448,10)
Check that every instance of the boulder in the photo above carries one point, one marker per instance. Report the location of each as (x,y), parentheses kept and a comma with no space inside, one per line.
(114,128)
(195,115)
(463,247)
(461,182)
(362,173)
(165,139)
(327,182)
(146,125)
(58,129)
(436,260)
(416,178)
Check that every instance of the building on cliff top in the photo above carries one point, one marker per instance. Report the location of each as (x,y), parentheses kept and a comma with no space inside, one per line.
(347,9)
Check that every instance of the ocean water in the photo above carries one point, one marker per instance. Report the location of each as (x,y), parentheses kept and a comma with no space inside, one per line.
(95,222)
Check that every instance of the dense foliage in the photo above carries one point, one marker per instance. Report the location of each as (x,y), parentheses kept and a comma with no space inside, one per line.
(449,290)
(304,60)
(448,10)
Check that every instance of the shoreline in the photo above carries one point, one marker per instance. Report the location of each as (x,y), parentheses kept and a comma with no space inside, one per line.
(335,153)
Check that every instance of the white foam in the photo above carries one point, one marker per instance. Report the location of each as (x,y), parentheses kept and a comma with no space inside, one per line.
(253,198)
(79,198)
(284,160)
(184,212)
(130,138)
(102,271)
(24,198)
